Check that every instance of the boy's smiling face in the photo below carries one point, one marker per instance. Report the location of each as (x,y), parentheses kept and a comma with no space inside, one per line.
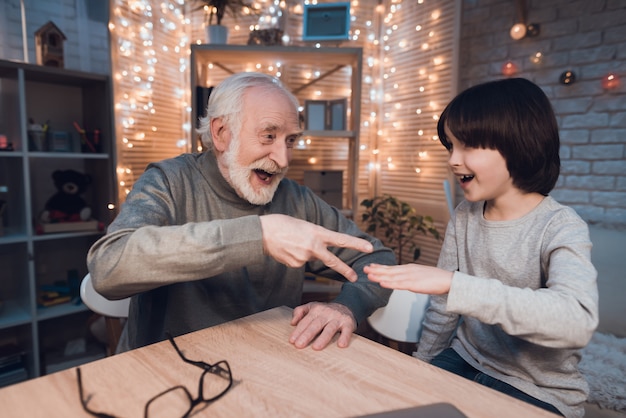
(481,172)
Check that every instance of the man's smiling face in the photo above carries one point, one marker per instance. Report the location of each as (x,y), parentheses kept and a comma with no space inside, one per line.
(257,158)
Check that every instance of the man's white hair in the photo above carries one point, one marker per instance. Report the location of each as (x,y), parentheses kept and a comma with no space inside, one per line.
(226,101)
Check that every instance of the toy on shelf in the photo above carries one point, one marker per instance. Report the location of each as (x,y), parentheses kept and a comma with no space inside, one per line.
(47,298)
(61,291)
(5,145)
(49,45)
(66,210)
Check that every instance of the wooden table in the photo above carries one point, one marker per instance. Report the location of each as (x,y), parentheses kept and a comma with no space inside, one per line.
(272,379)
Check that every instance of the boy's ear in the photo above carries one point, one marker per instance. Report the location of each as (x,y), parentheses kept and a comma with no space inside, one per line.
(220,134)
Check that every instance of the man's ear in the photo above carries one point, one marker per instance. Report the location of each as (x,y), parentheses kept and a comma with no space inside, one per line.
(220,134)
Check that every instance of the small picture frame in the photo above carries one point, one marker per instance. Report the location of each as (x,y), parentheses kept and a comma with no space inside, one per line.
(325,115)
(315,115)
(337,114)
(60,141)
(326,22)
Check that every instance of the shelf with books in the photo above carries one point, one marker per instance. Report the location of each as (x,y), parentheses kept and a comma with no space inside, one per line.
(50,117)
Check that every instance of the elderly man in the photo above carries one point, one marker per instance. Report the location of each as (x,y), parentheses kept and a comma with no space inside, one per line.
(207,238)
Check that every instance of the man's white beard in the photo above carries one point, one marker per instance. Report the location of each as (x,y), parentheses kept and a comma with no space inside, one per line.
(240,176)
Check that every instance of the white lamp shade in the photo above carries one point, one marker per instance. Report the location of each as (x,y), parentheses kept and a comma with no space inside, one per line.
(402,318)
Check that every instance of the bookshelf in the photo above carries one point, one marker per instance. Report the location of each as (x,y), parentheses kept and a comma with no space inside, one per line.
(330,74)
(32,259)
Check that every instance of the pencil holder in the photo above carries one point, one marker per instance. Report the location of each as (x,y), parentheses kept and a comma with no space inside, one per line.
(90,142)
(37,141)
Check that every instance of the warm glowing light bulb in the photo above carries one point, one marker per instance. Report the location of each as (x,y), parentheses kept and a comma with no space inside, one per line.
(567,77)
(610,81)
(518,31)
(509,68)
(536,58)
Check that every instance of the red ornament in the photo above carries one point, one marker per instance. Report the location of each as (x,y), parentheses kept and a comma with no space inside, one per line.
(509,68)
(610,81)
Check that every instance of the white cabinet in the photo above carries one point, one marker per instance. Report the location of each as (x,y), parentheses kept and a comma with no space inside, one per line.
(32,262)
(315,75)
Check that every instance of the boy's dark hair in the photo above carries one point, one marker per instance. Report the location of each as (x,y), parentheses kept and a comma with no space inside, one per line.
(515,117)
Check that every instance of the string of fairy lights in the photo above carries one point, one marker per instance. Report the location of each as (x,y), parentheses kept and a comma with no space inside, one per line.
(148,35)
(148,38)
(522,30)
(417,35)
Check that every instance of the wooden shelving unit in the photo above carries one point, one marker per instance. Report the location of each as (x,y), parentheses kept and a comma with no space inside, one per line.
(311,74)
(28,260)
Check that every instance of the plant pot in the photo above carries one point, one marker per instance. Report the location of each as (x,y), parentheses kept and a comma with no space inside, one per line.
(216,34)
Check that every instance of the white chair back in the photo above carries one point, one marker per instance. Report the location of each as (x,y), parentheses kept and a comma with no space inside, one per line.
(101,305)
(401,319)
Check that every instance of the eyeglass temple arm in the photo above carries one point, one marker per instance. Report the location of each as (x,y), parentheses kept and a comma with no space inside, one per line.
(84,401)
(213,368)
(201,364)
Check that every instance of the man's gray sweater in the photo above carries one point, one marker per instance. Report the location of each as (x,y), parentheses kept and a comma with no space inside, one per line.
(189,251)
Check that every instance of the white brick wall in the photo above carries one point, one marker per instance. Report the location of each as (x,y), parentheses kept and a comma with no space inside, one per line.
(87,44)
(589,38)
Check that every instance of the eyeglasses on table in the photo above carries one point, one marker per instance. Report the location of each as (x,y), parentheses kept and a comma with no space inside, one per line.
(177,401)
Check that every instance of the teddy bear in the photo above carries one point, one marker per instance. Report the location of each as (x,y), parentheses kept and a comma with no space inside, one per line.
(67,205)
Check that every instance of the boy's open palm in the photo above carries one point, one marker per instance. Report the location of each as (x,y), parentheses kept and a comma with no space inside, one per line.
(414,277)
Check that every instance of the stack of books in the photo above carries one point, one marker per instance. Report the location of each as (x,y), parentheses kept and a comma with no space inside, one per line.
(78,226)
(12,368)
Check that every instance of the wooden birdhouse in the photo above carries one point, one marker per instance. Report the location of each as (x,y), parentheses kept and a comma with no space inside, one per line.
(49,44)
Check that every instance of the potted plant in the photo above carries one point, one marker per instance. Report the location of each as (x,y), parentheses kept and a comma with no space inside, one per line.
(216,32)
(396,223)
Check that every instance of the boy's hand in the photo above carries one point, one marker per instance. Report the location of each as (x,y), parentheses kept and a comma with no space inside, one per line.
(414,277)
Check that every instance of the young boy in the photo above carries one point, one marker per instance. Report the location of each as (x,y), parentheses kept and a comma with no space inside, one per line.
(514,293)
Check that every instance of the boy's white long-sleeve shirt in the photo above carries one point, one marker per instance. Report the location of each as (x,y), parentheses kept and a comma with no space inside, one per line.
(522,303)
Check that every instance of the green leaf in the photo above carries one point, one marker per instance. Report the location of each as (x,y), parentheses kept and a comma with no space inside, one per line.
(416,254)
(397,222)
